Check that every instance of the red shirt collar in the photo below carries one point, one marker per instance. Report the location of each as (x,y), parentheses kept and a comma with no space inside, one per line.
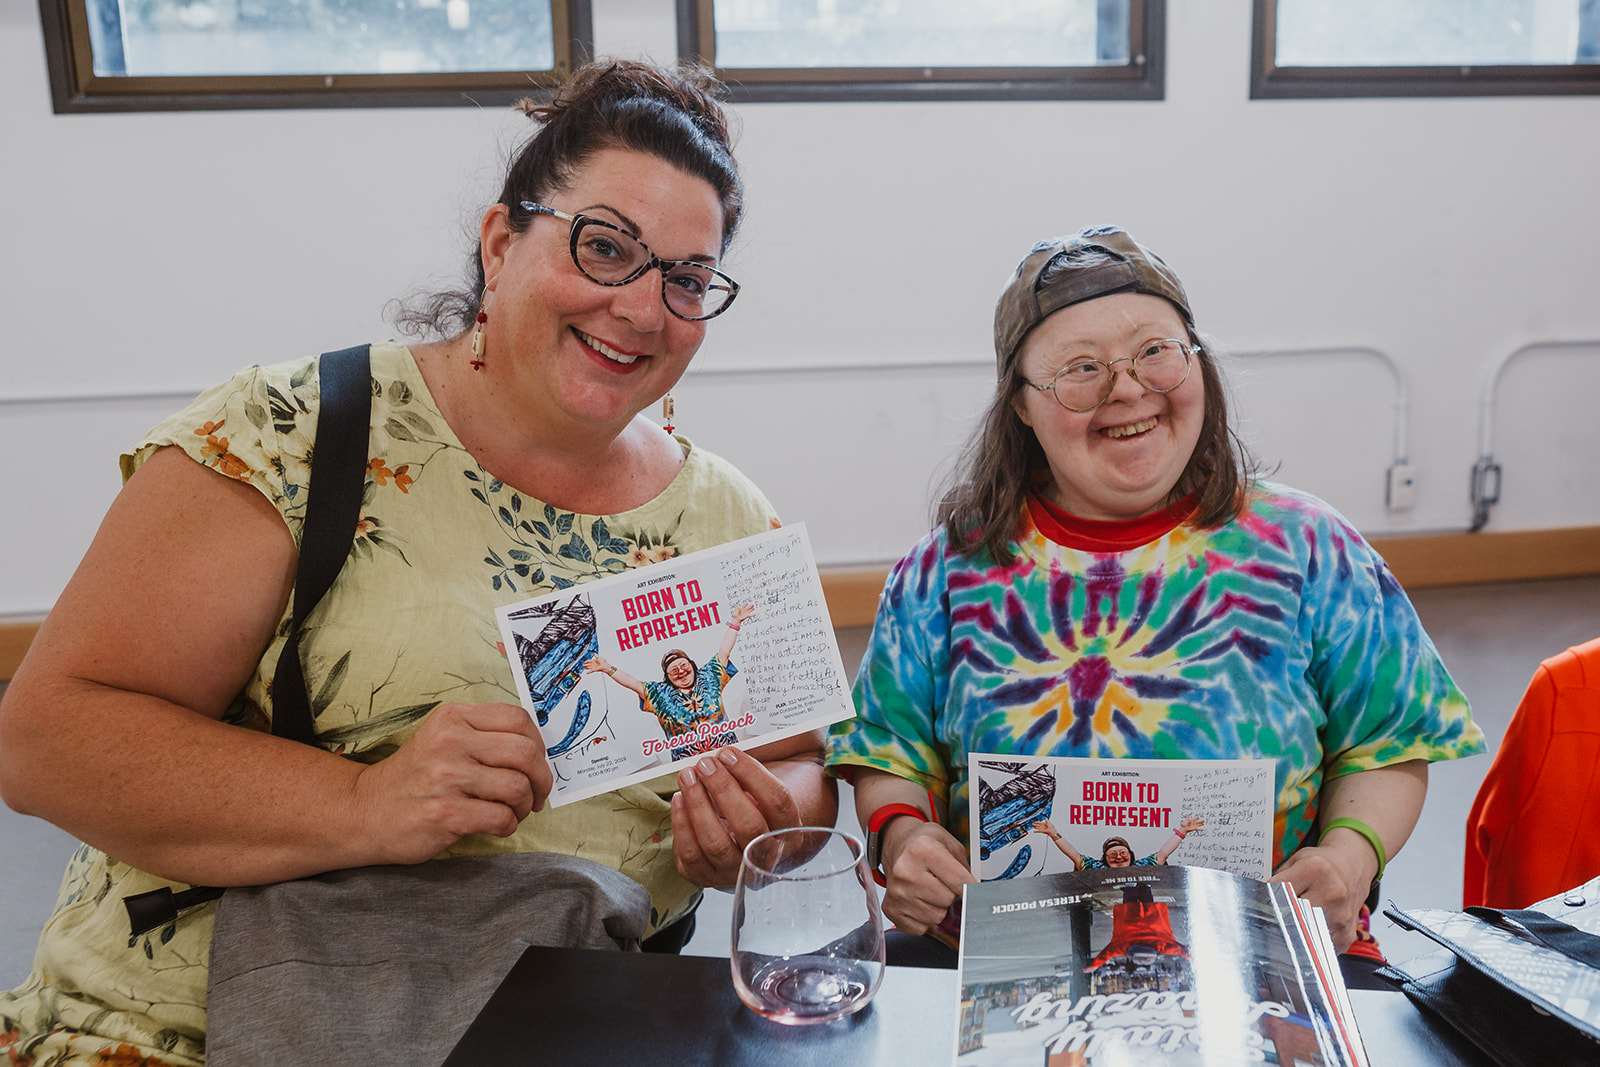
(1090,535)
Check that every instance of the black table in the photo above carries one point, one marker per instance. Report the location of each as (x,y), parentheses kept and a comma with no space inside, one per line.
(571,1006)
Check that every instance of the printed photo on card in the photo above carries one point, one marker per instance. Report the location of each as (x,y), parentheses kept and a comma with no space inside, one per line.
(628,675)
(1050,814)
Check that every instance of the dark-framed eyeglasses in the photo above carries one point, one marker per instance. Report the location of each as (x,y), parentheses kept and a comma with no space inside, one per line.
(607,254)
(1086,383)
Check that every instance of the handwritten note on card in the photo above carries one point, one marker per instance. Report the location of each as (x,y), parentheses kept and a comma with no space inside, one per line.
(628,675)
(1042,814)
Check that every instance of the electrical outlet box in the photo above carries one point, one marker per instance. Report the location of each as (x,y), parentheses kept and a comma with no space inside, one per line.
(1402,494)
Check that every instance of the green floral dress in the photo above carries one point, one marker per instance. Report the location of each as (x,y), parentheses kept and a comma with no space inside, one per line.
(409,625)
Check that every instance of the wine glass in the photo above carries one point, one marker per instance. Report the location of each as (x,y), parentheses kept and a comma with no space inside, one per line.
(807,930)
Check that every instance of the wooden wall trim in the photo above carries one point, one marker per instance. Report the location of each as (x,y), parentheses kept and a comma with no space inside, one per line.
(1419,561)
(15,636)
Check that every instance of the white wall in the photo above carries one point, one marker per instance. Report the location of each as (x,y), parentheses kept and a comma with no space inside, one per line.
(144,256)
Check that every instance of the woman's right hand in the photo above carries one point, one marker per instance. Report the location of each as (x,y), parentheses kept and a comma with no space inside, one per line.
(468,769)
(1046,827)
(596,664)
(926,868)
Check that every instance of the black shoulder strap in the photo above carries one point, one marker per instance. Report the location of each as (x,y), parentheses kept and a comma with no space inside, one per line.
(338,475)
(1575,944)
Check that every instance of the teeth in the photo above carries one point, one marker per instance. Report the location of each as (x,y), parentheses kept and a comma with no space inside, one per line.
(1130,430)
(604,349)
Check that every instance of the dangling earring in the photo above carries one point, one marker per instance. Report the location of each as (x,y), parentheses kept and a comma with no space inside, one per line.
(667,411)
(477,333)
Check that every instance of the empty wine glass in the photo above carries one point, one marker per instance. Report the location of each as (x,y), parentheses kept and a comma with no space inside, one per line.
(807,930)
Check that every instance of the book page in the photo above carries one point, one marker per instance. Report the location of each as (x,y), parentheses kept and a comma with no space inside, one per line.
(1149,965)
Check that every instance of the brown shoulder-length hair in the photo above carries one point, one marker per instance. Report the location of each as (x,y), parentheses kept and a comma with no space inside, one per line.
(1000,461)
(672,114)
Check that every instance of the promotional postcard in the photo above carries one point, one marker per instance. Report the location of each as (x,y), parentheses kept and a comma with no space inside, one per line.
(1045,814)
(628,675)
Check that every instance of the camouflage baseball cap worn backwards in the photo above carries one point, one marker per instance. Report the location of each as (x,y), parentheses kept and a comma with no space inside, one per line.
(1034,293)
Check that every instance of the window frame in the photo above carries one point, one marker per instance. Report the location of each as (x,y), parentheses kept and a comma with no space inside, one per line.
(1268,81)
(1143,78)
(75,88)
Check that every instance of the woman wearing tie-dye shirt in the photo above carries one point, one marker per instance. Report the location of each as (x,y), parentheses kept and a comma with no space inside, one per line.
(1108,580)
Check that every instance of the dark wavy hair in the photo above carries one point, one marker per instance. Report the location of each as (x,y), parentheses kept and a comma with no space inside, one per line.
(991,478)
(672,114)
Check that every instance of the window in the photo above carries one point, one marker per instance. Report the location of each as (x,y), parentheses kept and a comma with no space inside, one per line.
(144,55)
(1325,48)
(929,49)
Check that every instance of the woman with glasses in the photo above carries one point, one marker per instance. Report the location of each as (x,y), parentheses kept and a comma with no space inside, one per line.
(508,457)
(1109,580)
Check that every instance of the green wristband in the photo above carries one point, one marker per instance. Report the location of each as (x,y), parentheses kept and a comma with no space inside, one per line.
(1365,831)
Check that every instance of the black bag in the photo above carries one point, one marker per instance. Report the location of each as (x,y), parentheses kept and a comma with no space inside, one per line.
(1523,986)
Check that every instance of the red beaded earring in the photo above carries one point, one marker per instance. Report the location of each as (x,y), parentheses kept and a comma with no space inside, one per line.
(667,410)
(477,333)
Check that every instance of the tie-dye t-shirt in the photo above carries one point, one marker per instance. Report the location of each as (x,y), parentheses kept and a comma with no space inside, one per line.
(679,713)
(1281,635)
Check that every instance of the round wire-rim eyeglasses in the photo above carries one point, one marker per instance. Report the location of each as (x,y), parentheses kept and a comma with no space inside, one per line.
(694,285)
(1098,374)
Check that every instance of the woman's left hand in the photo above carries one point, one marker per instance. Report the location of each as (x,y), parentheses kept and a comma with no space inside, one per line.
(731,797)
(725,801)
(1335,879)
(1336,874)
(743,613)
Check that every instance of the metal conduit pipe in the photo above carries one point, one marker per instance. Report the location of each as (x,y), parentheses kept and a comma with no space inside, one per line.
(1485,484)
(1402,400)
(177,397)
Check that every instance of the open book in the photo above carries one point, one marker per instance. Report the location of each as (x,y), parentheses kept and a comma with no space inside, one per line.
(1148,965)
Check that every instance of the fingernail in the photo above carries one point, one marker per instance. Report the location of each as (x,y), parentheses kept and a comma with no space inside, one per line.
(708,767)
(729,756)
(685,778)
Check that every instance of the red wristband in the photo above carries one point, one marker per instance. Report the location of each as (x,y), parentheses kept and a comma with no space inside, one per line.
(875,823)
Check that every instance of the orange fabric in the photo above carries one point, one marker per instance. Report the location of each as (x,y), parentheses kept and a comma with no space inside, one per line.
(1139,922)
(1531,833)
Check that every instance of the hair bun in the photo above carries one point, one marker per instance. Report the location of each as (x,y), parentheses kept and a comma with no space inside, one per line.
(691,89)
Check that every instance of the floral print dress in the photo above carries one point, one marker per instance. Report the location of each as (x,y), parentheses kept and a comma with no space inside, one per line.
(409,625)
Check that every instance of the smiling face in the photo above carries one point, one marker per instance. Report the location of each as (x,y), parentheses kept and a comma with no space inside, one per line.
(680,672)
(1121,460)
(1118,856)
(577,351)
